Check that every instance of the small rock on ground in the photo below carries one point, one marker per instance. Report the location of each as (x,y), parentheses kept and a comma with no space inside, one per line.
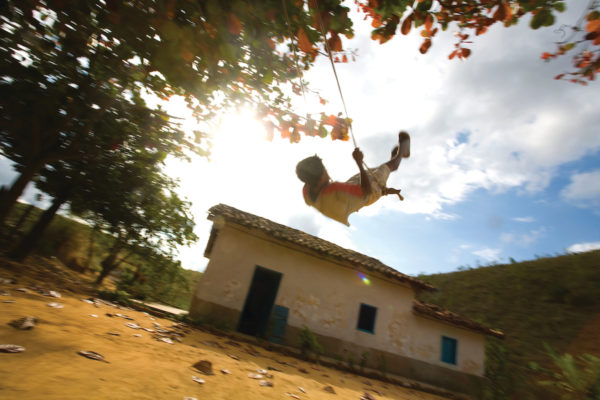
(329,389)
(204,366)
(24,323)
(11,348)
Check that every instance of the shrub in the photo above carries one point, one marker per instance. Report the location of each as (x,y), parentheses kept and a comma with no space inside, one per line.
(576,379)
(363,360)
(309,342)
(116,296)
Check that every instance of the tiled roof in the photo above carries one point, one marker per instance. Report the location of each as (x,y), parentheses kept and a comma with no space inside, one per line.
(439,313)
(295,236)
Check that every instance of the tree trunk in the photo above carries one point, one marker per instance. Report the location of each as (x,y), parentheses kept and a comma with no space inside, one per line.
(31,239)
(9,197)
(110,262)
(137,275)
(90,253)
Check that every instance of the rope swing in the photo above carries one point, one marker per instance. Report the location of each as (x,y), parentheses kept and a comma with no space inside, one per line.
(383,188)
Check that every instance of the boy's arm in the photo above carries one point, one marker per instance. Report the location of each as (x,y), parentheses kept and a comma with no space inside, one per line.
(365,180)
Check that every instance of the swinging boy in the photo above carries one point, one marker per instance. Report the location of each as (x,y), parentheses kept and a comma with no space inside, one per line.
(337,200)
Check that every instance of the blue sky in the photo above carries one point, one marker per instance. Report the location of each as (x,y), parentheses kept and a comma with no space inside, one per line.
(505,160)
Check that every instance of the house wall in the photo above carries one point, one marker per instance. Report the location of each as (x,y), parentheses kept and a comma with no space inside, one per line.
(326,297)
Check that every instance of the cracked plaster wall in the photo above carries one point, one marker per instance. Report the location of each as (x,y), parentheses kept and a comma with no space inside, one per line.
(326,297)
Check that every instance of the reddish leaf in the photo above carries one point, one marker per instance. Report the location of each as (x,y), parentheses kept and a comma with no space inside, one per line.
(500,14)
(284,130)
(425,46)
(559,76)
(323,20)
(344,59)
(480,30)
(304,43)
(170,8)
(509,11)
(466,52)
(452,55)
(376,23)
(593,26)
(233,24)
(334,42)
(428,22)
(295,136)
(322,101)
(406,24)
(272,14)
(331,120)
(546,56)
(187,55)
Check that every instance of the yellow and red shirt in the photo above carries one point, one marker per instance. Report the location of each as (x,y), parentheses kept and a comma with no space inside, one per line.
(338,200)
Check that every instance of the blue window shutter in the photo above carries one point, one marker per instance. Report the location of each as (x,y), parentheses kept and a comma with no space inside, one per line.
(279,317)
(449,346)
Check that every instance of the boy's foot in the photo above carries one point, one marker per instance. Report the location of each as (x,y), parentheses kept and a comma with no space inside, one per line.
(402,137)
(404,145)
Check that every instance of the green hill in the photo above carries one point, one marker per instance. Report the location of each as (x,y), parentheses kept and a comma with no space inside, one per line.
(548,300)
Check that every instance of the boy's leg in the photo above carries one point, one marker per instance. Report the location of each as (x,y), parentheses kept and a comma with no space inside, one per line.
(393,191)
(400,151)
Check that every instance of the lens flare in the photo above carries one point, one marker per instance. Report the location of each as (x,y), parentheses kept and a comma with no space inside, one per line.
(365,280)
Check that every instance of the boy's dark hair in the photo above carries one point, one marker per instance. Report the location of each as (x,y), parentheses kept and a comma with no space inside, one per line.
(310,170)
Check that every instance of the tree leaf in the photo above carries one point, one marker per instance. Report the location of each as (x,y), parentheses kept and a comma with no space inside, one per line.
(428,22)
(233,24)
(334,42)
(406,24)
(500,14)
(593,26)
(304,43)
(538,19)
(560,6)
(425,46)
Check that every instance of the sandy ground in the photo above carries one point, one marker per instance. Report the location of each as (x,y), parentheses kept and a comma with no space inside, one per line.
(141,367)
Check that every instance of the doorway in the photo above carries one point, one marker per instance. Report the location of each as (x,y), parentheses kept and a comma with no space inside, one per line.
(259,302)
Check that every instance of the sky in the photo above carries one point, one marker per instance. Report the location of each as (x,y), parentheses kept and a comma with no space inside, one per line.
(504,165)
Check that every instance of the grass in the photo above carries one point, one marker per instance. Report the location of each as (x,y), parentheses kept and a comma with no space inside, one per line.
(70,241)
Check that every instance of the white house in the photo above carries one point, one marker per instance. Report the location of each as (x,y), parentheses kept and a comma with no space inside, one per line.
(269,280)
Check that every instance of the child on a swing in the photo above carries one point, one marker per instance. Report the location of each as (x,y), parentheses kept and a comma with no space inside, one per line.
(337,200)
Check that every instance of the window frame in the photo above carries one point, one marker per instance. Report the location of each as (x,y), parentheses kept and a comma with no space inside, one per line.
(360,309)
(446,341)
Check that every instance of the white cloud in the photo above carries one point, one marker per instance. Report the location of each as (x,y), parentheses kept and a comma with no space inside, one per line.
(584,190)
(516,126)
(523,239)
(582,247)
(488,254)
(524,219)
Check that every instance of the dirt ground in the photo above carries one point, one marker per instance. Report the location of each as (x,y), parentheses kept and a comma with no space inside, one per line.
(138,365)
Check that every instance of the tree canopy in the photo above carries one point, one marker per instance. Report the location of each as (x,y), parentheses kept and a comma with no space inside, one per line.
(76,76)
